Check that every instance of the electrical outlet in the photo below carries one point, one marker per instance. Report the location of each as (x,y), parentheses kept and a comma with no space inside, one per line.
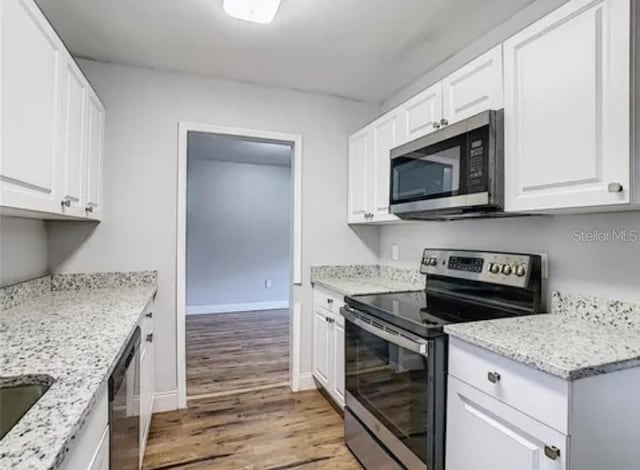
(395,252)
(267,284)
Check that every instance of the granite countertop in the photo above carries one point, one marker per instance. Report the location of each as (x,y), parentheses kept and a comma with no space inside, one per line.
(584,336)
(75,337)
(367,279)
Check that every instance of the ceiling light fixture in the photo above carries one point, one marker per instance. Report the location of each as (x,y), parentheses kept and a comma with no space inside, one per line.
(256,11)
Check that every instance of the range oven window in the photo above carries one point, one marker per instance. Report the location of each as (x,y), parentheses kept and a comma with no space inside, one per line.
(429,172)
(392,384)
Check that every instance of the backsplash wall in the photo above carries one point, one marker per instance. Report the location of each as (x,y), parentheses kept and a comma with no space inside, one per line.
(23,249)
(584,256)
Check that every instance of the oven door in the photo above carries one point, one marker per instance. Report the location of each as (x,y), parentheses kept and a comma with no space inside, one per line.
(390,388)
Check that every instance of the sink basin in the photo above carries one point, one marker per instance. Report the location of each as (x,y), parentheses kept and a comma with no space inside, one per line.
(17,396)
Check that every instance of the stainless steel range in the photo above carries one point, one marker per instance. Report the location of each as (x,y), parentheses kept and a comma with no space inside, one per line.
(396,351)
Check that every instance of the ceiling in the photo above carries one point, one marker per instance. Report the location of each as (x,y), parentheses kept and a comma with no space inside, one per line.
(361,49)
(205,146)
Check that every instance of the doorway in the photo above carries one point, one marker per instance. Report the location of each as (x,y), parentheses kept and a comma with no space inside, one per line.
(239,203)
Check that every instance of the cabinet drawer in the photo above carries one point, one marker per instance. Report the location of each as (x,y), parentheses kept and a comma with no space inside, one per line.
(534,393)
(330,301)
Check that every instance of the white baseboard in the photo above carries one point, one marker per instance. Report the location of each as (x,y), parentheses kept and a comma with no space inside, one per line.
(245,307)
(307,382)
(165,401)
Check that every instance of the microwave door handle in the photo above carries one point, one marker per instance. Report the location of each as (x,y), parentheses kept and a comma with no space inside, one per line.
(419,347)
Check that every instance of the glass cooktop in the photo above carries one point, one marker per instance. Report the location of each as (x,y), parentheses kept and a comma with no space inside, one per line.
(424,314)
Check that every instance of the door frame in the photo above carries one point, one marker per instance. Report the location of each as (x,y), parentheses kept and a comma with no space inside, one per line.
(295,271)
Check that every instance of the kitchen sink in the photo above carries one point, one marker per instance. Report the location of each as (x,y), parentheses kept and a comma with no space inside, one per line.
(17,396)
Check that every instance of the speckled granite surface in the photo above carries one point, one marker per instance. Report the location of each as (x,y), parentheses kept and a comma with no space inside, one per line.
(15,294)
(366,279)
(582,337)
(75,337)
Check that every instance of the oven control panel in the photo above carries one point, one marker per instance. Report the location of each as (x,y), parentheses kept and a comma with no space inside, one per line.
(509,269)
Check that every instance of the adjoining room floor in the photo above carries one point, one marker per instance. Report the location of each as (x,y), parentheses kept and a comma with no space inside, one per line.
(267,429)
(229,352)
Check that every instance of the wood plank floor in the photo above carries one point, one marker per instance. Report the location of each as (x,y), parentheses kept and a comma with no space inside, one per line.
(270,429)
(234,351)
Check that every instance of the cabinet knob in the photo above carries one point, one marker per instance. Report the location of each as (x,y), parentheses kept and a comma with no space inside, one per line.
(615,188)
(65,203)
(436,125)
(493,377)
(444,122)
(150,338)
(149,315)
(552,452)
(88,209)
(329,301)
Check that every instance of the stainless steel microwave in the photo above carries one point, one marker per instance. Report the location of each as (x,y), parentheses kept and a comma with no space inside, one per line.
(454,172)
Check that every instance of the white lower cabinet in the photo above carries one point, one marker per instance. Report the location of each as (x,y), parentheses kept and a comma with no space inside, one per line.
(328,343)
(504,415)
(90,450)
(147,376)
(484,433)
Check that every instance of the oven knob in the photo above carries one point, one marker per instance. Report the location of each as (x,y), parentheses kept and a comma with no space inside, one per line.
(521,270)
(506,269)
(494,268)
(433,261)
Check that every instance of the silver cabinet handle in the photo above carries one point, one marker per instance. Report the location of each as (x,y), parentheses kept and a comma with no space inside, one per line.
(493,377)
(65,203)
(436,125)
(329,301)
(150,338)
(552,452)
(615,188)
(444,122)
(329,320)
(88,209)
(149,315)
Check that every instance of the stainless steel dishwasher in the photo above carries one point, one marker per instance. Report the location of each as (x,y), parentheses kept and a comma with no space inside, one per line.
(124,408)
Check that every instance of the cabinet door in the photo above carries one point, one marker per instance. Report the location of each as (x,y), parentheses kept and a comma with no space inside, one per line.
(358,184)
(422,113)
(473,88)
(321,348)
(73,139)
(384,132)
(484,433)
(337,378)
(95,135)
(30,89)
(567,108)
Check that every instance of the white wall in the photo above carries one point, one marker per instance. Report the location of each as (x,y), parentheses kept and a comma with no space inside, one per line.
(238,232)
(23,249)
(608,269)
(139,225)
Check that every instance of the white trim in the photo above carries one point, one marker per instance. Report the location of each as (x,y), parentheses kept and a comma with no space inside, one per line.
(227,308)
(181,245)
(165,401)
(307,382)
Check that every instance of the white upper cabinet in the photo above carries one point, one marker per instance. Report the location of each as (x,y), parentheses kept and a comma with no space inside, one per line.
(51,122)
(30,95)
(95,134)
(74,144)
(386,135)
(567,109)
(358,168)
(473,88)
(422,114)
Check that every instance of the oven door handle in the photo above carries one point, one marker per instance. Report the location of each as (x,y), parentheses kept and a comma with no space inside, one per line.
(417,345)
